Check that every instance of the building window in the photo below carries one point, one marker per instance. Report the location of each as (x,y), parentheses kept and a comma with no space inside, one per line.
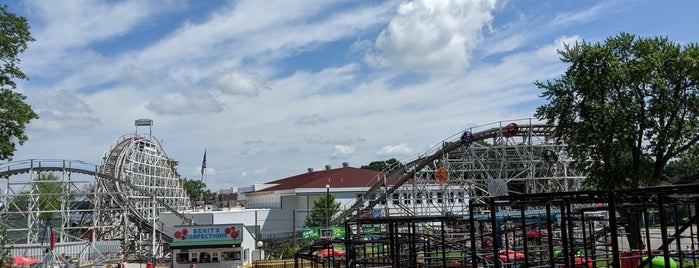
(230,255)
(182,258)
(204,257)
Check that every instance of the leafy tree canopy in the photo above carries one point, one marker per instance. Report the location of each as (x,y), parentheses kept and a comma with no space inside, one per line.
(625,107)
(383,165)
(15,114)
(323,212)
(50,193)
(196,189)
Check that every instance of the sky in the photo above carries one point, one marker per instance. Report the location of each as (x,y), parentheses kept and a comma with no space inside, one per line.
(271,88)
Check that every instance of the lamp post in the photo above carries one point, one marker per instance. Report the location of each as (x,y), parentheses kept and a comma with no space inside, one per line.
(327,205)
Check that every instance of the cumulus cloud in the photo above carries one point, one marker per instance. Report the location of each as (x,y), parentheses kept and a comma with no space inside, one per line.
(138,76)
(432,36)
(391,150)
(239,82)
(54,121)
(342,151)
(61,101)
(60,109)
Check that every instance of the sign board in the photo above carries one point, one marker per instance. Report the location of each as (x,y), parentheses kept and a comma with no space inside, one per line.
(371,229)
(339,233)
(203,234)
(310,233)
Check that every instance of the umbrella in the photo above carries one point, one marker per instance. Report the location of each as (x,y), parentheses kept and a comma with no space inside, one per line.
(536,233)
(21,260)
(505,254)
(330,252)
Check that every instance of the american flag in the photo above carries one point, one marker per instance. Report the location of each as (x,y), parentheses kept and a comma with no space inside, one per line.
(203,164)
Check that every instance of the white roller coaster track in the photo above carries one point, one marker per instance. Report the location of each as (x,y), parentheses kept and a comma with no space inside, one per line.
(118,200)
(511,157)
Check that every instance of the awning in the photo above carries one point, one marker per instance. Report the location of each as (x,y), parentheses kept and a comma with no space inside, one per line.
(203,244)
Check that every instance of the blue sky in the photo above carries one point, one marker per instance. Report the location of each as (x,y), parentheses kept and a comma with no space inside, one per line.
(271,88)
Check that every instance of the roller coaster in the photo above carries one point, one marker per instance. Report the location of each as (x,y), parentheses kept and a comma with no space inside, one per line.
(70,204)
(493,183)
(514,157)
(504,195)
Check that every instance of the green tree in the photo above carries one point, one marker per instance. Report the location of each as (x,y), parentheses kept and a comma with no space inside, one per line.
(323,211)
(196,189)
(625,107)
(285,250)
(5,247)
(49,191)
(383,165)
(15,114)
(684,169)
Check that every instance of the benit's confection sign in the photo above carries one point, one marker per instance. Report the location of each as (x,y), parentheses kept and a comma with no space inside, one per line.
(208,232)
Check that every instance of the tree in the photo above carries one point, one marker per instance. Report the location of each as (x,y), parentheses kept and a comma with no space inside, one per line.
(49,190)
(625,108)
(15,114)
(285,250)
(196,189)
(684,169)
(324,210)
(5,247)
(383,165)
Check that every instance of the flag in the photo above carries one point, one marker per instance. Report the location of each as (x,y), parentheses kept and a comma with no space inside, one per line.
(203,163)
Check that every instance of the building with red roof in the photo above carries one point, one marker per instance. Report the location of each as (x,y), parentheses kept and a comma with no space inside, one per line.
(298,192)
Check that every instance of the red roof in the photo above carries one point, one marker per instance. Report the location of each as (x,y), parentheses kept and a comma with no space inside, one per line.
(337,178)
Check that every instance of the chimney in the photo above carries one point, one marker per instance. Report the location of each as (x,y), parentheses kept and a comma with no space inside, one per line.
(310,169)
(327,167)
(345,164)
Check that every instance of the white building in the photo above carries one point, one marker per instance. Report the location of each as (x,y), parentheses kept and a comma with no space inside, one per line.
(213,246)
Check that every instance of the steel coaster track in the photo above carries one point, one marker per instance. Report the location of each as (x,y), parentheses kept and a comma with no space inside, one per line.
(498,155)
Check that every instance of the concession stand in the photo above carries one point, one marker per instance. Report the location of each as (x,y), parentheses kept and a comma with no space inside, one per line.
(212,246)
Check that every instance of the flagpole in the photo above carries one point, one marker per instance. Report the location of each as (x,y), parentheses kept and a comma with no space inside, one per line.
(203,167)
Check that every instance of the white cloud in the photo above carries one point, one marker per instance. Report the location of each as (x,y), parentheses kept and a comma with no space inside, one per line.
(433,36)
(61,109)
(284,81)
(179,103)
(567,18)
(393,150)
(240,82)
(341,151)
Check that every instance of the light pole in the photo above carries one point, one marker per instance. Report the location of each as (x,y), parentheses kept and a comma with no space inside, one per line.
(327,205)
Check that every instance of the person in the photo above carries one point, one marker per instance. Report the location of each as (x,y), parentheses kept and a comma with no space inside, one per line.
(192,265)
